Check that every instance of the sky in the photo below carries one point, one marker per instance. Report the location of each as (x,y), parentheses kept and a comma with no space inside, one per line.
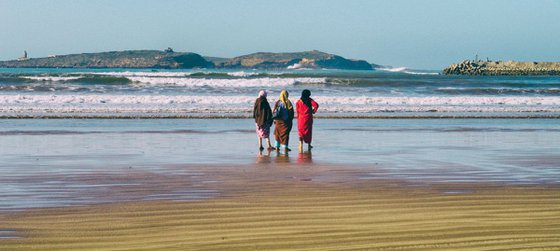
(428,34)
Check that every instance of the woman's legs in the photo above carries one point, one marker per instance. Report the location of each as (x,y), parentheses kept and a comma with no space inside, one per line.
(268,145)
(289,125)
(260,144)
(300,146)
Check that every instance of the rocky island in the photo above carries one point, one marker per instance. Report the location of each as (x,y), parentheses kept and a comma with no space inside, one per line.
(494,68)
(187,60)
(295,60)
(115,59)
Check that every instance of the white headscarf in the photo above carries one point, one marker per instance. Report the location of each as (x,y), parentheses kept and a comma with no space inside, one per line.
(262,93)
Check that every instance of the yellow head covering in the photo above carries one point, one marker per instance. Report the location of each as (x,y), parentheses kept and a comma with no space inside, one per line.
(285,100)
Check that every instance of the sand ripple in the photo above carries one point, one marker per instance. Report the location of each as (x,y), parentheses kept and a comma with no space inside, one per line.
(296,213)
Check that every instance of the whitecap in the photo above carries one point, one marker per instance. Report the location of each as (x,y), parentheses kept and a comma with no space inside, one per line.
(199,82)
(142,74)
(175,104)
(421,73)
(51,78)
(391,69)
(295,66)
(242,74)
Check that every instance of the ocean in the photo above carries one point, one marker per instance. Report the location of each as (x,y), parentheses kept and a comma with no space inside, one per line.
(386,93)
(418,127)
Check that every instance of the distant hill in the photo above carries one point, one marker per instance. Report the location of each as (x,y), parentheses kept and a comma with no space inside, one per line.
(187,60)
(293,60)
(216,60)
(116,59)
(469,67)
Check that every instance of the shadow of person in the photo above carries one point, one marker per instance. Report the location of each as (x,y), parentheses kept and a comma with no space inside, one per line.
(305,158)
(263,158)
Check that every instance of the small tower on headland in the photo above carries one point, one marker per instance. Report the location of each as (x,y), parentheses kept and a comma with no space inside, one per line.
(24,56)
(169,50)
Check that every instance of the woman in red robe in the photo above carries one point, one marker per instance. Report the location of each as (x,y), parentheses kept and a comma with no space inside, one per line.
(305,108)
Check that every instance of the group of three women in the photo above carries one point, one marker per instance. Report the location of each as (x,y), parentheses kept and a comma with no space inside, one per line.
(283,114)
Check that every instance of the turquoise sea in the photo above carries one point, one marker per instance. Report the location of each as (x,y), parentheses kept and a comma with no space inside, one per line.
(396,92)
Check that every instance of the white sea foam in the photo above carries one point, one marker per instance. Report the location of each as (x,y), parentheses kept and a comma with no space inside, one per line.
(100,104)
(242,74)
(393,69)
(169,74)
(142,74)
(295,66)
(407,71)
(420,73)
(198,82)
(50,78)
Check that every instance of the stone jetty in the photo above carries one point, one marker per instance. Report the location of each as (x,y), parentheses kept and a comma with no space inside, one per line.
(495,68)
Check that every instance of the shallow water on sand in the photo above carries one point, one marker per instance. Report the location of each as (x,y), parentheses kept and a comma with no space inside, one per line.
(71,161)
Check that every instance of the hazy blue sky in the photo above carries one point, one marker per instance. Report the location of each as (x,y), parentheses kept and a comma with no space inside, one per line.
(418,34)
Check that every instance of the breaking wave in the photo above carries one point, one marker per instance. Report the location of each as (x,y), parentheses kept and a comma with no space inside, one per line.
(407,71)
(420,73)
(239,80)
(209,74)
(176,104)
(50,78)
(340,93)
(201,82)
(392,69)
(498,91)
(83,79)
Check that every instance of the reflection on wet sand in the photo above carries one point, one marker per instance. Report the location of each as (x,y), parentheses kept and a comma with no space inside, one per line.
(264,157)
(305,158)
(282,158)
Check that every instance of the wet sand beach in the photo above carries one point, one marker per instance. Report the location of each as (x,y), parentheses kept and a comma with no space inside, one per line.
(279,206)
(202,185)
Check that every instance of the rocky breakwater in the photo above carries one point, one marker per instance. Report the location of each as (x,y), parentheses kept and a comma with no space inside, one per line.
(494,68)
(294,60)
(116,59)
